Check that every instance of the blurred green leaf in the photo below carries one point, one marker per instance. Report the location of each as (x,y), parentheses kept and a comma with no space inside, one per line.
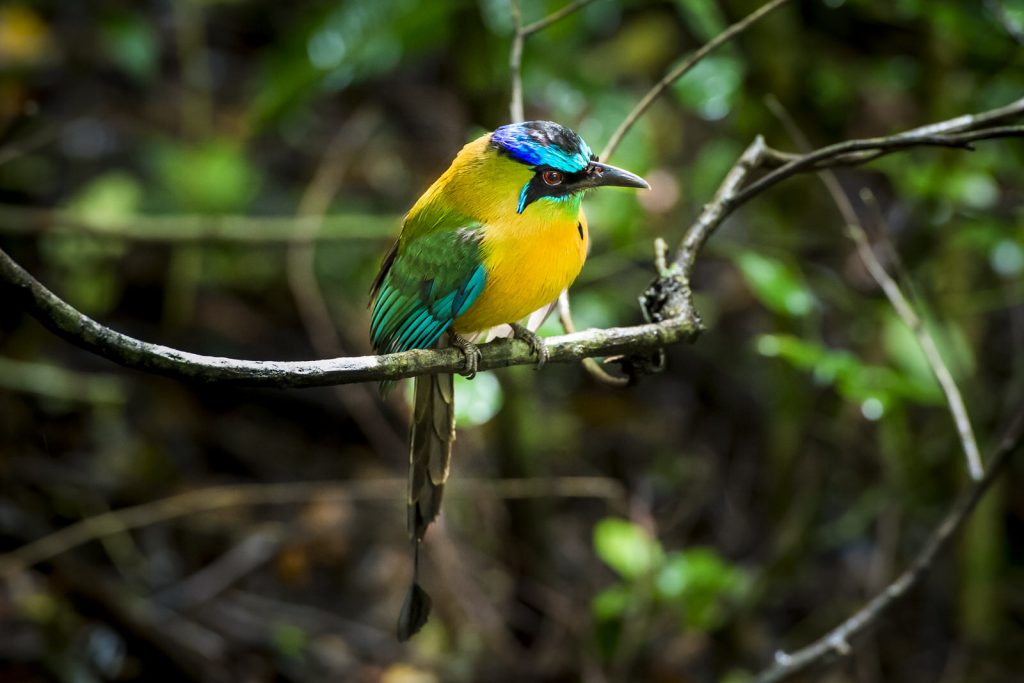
(902,347)
(875,388)
(699,584)
(704,16)
(132,44)
(215,177)
(626,547)
(290,641)
(476,400)
(110,198)
(1007,258)
(611,603)
(778,285)
(711,87)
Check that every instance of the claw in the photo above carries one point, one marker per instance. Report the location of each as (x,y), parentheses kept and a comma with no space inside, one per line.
(535,342)
(470,351)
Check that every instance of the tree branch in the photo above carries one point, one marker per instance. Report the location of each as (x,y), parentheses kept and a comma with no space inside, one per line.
(75,327)
(844,153)
(837,641)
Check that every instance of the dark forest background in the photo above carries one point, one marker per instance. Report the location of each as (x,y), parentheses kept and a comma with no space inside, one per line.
(154,157)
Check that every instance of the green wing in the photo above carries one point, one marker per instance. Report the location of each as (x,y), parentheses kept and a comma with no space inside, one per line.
(425,282)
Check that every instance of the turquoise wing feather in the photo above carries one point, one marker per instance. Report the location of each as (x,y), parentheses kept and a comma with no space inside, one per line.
(424,284)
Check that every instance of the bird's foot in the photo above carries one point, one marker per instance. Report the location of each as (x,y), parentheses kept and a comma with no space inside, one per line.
(535,343)
(470,351)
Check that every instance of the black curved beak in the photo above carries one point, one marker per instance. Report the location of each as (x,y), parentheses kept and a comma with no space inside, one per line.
(605,175)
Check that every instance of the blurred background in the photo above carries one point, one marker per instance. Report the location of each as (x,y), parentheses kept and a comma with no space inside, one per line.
(223,176)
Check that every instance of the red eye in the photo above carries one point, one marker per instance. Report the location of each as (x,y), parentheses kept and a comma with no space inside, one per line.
(553,177)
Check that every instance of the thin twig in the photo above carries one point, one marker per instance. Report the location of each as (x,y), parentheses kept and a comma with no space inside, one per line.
(515,57)
(515,64)
(679,71)
(892,291)
(837,641)
(589,364)
(215,498)
(925,340)
(557,15)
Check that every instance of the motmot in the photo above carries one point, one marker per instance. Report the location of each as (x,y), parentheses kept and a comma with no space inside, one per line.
(496,237)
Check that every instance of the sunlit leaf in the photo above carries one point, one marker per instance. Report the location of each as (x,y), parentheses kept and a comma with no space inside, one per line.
(626,547)
(109,198)
(778,285)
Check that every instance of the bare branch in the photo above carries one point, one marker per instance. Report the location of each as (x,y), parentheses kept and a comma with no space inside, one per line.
(679,71)
(837,641)
(843,153)
(213,498)
(70,324)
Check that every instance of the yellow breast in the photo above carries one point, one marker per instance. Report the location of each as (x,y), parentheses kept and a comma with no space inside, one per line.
(529,259)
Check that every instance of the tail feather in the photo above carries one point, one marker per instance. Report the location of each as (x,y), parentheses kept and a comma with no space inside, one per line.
(430,450)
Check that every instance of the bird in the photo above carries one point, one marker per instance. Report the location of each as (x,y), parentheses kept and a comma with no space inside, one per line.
(496,237)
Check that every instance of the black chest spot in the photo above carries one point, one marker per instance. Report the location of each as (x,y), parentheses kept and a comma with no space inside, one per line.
(579,227)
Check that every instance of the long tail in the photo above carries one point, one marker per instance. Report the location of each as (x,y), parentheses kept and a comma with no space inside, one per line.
(430,455)
(430,449)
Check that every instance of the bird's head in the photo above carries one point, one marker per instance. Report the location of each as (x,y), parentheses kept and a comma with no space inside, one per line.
(555,164)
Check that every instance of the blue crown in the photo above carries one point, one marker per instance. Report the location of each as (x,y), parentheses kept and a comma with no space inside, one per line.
(543,143)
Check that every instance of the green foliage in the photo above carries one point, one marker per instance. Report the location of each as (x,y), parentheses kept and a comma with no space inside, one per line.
(696,586)
(875,388)
(700,585)
(214,177)
(132,44)
(110,198)
(712,87)
(777,284)
(627,548)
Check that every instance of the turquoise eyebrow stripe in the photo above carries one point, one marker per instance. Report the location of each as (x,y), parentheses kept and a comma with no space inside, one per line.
(522,198)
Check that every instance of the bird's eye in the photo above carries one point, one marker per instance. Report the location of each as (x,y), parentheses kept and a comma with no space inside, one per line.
(553,177)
